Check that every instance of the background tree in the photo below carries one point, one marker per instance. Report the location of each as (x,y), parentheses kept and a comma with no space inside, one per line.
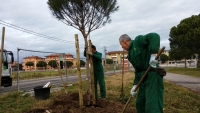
(29,64)
(41,64)
(69,64)
(109,61)
(185,38)
(52,63)
(164,58)
(82,63)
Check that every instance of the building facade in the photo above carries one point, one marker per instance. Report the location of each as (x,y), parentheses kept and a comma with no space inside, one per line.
(56,57)
(34,60)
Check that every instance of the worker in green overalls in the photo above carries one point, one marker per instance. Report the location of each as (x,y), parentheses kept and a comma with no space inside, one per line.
(150,94)
(98,72)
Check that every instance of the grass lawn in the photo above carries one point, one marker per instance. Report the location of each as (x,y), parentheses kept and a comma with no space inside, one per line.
(176,99)
(185,71)
(24,75)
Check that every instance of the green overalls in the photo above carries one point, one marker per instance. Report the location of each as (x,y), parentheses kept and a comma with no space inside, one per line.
(98,74)
(150,94)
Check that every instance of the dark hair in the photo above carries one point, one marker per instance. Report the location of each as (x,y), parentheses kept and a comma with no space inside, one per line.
(93,47)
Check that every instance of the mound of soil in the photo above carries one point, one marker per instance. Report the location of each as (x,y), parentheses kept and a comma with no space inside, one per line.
(70,104)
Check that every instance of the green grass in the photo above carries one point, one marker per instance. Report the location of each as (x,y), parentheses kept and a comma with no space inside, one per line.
(15,103)
(41,74)
(185,71)
(176,99)
(24,75)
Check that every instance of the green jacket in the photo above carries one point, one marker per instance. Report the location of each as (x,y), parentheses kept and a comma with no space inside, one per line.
(140,51)
(97,63)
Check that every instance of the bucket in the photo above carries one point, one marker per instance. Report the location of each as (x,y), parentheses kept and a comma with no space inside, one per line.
(41,93)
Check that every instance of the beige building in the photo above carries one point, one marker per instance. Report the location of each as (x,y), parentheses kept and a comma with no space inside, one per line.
(34,59)
(117,56)
(58,57)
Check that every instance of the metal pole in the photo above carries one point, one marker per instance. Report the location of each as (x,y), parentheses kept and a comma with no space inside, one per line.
(2,48)
(105,59)
(18,69)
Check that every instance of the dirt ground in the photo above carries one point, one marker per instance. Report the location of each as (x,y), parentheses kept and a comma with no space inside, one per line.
(70,104)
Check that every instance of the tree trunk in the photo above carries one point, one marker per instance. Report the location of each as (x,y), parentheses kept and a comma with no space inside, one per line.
(78,70)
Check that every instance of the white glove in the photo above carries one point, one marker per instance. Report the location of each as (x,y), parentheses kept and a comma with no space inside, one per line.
(154,63)
(132,91)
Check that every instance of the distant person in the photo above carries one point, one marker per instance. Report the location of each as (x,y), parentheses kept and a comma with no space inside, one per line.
(151,90)
(98,72)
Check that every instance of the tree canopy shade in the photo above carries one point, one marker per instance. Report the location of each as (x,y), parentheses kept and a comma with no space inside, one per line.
(41,64)
(109,61)
(164,58)
(82,63)
(29,64)
(185,37)
(69,63)
(84,15)
(52,63)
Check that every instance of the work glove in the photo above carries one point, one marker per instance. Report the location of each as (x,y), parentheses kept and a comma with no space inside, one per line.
(153,63)
(89,53)
(132,91)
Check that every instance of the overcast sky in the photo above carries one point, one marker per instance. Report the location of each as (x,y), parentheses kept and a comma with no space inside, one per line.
(134,18)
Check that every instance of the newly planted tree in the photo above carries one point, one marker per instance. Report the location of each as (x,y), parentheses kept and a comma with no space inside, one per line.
(84,15)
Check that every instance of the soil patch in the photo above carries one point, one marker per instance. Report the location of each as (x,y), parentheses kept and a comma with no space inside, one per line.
(70,104)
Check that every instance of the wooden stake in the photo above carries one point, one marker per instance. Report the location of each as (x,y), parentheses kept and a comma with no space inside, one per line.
(2,48)
(92,76)
(78,70)
(141,80)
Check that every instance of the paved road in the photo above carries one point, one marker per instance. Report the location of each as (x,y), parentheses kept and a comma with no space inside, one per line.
(28,85)
(193,83)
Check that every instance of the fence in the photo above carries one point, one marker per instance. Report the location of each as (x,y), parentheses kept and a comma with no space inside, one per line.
(44,68)
(26,77)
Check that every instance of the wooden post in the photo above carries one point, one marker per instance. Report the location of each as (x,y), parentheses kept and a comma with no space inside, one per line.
(92,76)
(1,56)
(78,70)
